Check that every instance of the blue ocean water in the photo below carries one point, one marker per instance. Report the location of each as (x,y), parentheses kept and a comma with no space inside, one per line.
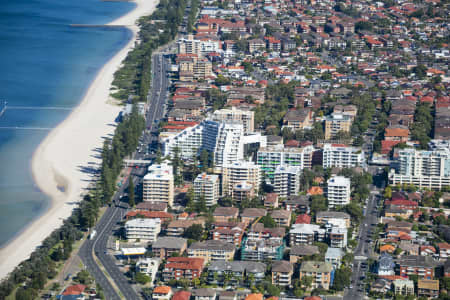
(44,62)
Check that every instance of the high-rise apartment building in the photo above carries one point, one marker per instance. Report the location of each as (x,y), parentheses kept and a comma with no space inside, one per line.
(224,140)
(287,181)
(240,171)
(336,123)
(158,184)
(143,229)
(423,168)
(269,158)
(196,46)
(234,115)
(338,191)
(342,156)
(208,187)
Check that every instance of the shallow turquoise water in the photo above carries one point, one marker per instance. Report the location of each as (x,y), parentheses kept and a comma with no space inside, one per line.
(44,62)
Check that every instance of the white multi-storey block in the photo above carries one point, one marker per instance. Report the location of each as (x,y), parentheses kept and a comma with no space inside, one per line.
(269,158)
(338,191)
(305,234)
(148,266)
(287,181)
(208,187)
(240,171)
(143,229)
(342,156)
(158,184)
(201,47)
(234,115)
(423,168)
(224,140)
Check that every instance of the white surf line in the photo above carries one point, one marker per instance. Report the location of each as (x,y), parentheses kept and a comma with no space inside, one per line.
(24,128)
(40,107)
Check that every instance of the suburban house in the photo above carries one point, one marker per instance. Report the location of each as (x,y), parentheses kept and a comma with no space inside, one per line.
(299,251)
(282,272)
(281,217)
(211,250)
(204,294)
(183,268)
(321,272)
(428,288)
(423,266)
(223,214)
(164,247)
(235,271)
(162,293)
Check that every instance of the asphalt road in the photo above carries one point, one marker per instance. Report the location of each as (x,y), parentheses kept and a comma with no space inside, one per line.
(105,227)
(364,248)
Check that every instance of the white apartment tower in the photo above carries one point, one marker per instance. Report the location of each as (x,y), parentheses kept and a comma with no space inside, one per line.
(338,191)
(342,156)
(222,139)
(144,229)
(240,171)
(207,186)
(423,168)
(158,184)
(287,181)
(200,47)
(149,266)
(269,158)
(234,115)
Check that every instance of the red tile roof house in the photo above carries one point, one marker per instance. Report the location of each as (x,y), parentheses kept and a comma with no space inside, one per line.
(181,295)
(403,204)
(233,236)
(397,196)
(386,146)
(396,134)
(165,217)
(303,219)
(271,200)
(427,250)
(75,290)
(183,268)
(444,250)
(223,214)
(162,293)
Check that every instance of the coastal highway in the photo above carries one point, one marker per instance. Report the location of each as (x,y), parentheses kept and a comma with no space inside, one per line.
(364,248)
(156,101)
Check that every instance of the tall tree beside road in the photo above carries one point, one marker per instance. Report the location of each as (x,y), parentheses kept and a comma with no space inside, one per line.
(31,275)
(192,15)
(131,200)
(423,123)
(194,232)
(133,78)
(341,278)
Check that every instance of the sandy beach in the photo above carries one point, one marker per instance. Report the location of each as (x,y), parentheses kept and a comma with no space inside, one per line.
(60,162)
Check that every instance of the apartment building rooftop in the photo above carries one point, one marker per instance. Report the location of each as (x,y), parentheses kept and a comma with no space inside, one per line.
(212,245)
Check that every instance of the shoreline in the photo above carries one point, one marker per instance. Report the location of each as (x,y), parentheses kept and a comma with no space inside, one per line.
(60,165)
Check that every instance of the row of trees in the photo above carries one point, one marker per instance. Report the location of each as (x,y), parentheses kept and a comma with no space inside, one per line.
(33,274)
(192,15)
(421,129)
(124,142)
(134,77)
